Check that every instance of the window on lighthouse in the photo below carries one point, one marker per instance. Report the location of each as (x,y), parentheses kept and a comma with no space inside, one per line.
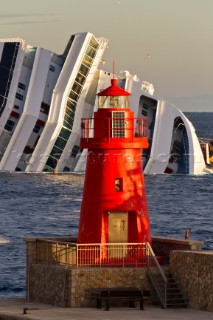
(118,184)
(113,102)
(118,124)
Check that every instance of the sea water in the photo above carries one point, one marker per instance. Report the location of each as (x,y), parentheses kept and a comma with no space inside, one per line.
(40,205)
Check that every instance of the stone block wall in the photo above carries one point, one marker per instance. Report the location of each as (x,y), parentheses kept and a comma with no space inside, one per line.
(49,284)
(71,287)
(65,286)
(194,273)
(162,246)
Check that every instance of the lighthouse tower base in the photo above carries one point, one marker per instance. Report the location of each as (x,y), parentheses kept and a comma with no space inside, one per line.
(54,282)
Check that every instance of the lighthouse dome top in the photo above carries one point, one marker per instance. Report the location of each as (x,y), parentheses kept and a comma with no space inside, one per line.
(113,97)
(114,90)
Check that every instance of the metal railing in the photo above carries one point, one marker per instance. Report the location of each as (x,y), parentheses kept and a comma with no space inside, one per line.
(113,255)
(157,276)
(138,127)
(120,255)
(53,252)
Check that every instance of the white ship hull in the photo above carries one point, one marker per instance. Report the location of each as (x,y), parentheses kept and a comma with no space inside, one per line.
(174,146)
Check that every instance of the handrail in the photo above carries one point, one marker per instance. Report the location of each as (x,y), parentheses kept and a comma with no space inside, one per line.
(157,276)
(91,255)
(55,241)
(156,261)
(140,130)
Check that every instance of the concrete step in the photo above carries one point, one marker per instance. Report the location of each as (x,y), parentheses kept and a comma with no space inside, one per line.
(175,298)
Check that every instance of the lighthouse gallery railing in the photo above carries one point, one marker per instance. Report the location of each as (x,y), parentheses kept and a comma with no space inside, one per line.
(116,127)
(94,255)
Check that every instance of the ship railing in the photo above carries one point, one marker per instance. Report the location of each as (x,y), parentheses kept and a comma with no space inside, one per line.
(120,255)
(115,127)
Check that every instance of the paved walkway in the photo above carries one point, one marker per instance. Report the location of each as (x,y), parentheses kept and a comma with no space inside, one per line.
(12,309)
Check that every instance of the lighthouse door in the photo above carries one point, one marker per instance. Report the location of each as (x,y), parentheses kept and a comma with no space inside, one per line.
(118,227)
(118,233)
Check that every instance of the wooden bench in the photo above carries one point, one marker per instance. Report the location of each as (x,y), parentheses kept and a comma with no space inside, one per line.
(118,294)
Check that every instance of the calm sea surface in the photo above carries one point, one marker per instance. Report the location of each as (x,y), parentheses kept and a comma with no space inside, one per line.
(34,205)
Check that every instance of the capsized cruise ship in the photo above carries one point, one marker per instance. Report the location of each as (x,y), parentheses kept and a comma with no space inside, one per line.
(44,95)
(173,144)
(40,92)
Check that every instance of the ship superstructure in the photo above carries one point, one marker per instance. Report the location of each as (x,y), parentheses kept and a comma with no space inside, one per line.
(60,138)
(39,94)
(174,147)
(12,95)
(35,78)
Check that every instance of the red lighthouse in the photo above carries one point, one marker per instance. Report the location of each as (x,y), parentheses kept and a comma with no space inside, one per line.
(114,206)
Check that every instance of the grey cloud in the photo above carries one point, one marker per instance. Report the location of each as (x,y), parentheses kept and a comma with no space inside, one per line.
(27,22)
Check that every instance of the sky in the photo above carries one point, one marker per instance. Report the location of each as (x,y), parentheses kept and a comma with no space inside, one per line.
(166,42)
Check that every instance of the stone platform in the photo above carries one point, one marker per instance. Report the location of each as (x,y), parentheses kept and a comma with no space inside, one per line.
(12,309)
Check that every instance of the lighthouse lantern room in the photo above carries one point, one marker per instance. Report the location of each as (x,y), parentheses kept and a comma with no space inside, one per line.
(114,205)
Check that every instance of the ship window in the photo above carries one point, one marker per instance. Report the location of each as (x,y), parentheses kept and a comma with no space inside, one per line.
(45,108)
(71,104)
(118,184)
(76,87)
(51,162)
(28,150)
(9,125)
(80,78)
(73,95)
(60,143)
(14,114)
(16,107)
(87,61)
(68,121)
(36,128)
(56,152)
(21,86)
(51,68)
(91,52)
(84,70)
(93,43)
(75,150)
(70,112)
(19,96)
(8,61)
(64,134)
